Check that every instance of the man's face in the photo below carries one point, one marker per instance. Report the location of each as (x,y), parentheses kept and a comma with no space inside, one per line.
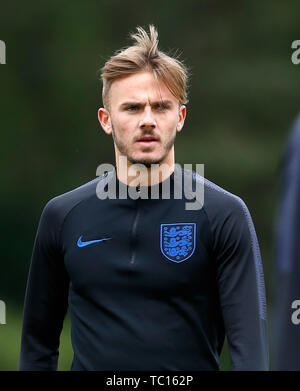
(144,117)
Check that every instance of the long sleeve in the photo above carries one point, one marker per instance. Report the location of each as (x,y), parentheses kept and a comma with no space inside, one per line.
(46,297)
(240,282)
(285,332)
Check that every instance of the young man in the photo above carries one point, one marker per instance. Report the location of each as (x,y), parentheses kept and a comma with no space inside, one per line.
(149,283)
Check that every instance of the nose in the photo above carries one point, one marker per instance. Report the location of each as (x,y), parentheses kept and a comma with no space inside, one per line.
(148,120)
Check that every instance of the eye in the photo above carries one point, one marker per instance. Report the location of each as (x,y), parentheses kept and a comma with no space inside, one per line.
(132,108)
(161,107)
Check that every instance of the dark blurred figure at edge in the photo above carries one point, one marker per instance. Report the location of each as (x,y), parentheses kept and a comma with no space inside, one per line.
(286,313)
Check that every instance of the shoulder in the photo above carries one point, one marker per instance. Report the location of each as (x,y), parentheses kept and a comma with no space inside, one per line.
(227,214)
(291,155)
(295,133)
(229,221)
(219,202)
(58,207)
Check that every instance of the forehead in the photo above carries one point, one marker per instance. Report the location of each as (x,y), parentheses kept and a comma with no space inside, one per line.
(142,86)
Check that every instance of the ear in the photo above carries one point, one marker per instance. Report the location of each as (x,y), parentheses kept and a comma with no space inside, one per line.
(181,115)
(104,119)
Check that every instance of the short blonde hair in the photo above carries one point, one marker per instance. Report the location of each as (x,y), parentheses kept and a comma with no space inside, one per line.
(144,55)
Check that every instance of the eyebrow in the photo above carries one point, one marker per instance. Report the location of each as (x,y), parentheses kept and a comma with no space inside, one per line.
(142,104)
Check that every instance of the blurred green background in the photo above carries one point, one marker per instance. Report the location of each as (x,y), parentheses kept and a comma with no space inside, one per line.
(244,95)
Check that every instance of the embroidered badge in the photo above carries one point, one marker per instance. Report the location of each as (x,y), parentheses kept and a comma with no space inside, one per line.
(177,241)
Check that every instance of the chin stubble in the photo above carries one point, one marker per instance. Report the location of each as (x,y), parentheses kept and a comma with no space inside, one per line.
(124,150)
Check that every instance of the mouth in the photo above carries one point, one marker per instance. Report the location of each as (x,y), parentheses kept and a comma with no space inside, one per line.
(147,140)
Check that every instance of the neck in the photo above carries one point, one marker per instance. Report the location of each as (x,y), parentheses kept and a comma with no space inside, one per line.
(140,175)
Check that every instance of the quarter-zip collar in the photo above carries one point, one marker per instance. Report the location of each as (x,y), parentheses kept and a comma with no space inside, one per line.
(154,193)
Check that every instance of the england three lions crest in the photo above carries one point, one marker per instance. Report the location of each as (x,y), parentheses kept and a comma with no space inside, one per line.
(177,241)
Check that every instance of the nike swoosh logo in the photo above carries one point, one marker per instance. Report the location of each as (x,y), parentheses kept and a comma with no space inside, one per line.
(80,243)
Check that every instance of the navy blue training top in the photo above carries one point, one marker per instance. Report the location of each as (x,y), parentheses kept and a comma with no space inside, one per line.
(149,285)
